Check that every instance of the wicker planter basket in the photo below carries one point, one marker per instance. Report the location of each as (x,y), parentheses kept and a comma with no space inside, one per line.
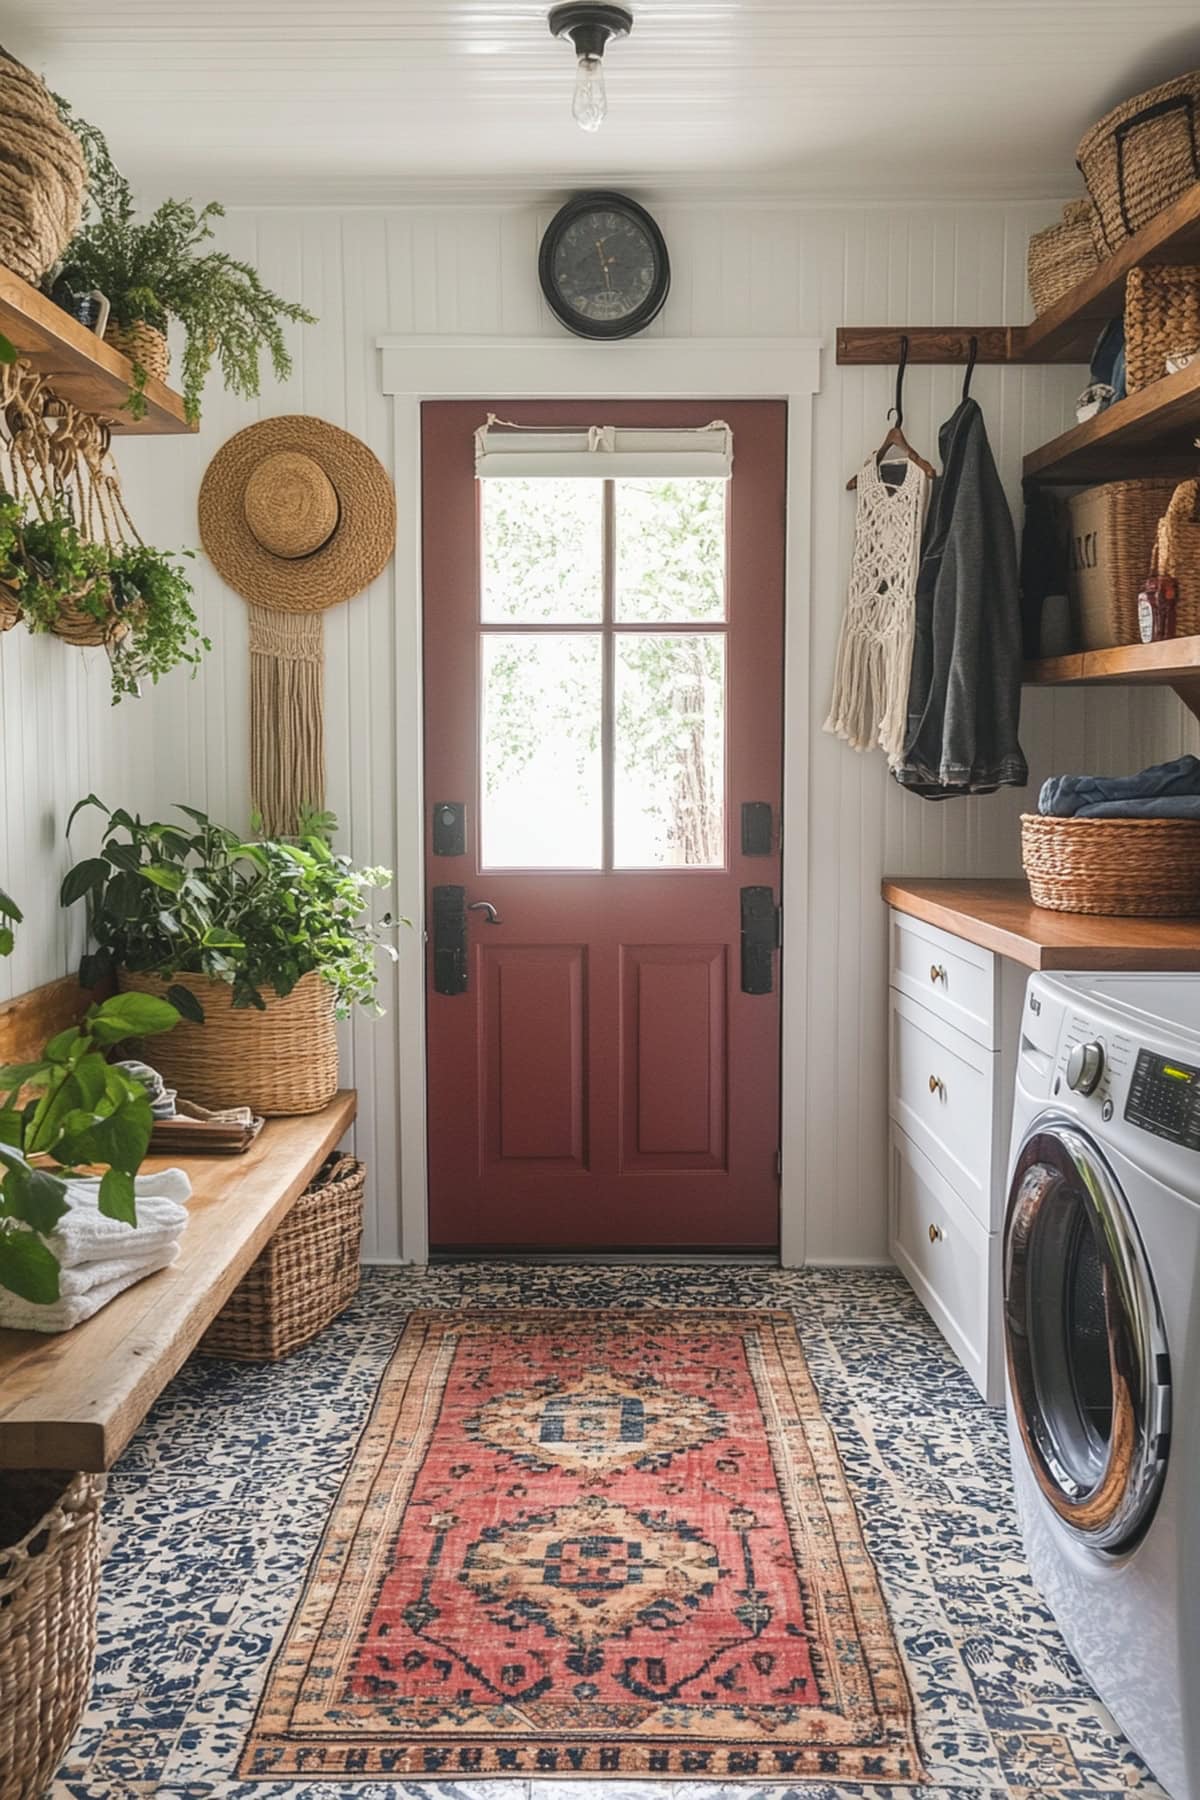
(49,1583)
(76,625)
(1112,535)
(42,174)
(1140,157)
(1162,315)
(1143,868)
(1062,255)
(278,1062)
(304,1278)
(143,344)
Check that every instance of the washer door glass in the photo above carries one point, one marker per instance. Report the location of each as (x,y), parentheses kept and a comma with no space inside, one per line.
(1088,1368)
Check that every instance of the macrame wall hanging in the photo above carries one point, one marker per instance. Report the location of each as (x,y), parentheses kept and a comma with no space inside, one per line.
(55,458)
(296,516)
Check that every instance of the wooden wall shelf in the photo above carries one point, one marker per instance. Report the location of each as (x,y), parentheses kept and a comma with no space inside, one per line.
(81,367)
(1151,432)
(1174,664)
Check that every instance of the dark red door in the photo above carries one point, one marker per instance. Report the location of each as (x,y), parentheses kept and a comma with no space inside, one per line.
(603,692)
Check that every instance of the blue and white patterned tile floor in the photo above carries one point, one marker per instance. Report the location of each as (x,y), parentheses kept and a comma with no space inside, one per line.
(217,1505)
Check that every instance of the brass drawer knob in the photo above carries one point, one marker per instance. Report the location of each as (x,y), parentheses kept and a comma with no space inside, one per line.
(935,1234)
(937,1086)
(936,973)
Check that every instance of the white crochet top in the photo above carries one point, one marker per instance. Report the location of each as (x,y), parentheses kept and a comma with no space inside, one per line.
(870,683)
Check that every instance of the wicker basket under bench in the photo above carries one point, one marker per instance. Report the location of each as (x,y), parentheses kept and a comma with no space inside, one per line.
(308,1273)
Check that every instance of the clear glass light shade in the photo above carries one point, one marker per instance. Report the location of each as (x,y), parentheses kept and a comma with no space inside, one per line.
(590,103)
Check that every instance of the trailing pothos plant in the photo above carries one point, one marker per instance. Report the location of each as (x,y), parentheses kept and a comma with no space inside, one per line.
(157,269)
(66,1111)
(198,899)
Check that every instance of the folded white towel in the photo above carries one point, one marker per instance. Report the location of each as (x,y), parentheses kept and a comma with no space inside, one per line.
(85,1235)
(23,1315)
(83,1277)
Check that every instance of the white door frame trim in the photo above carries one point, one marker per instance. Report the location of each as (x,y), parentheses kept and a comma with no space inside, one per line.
(414,369)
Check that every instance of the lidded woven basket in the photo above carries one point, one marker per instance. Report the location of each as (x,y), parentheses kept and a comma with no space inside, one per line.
(1137,868)
(42,174)
(49,1586)
(279,1062)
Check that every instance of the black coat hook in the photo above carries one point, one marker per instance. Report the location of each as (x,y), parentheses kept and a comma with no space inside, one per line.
(973,352)
(897,411)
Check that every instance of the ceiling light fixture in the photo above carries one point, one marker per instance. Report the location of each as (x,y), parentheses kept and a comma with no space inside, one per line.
(590,29)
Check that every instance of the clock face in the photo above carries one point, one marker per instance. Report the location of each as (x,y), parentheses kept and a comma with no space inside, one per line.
(604,266)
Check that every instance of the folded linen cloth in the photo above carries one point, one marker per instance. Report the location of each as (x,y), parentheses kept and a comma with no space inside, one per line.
(1173,806)
(1063,796)
(161,1097)
(72,1309)
(86,1277)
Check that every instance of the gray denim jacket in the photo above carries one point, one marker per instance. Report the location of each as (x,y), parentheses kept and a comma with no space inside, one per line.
(964,697)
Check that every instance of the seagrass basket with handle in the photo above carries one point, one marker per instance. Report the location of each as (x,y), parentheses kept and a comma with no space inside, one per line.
(1140,157)
(278,1062)
(49,1586)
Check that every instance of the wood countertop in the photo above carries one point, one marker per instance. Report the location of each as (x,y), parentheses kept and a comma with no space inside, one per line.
(73,1400)
(1000,916)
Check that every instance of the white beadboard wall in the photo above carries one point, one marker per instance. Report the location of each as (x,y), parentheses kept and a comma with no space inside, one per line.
(59,739)
(740,269)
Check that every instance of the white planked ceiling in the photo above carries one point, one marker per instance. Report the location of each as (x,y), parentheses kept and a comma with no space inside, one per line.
(312,100)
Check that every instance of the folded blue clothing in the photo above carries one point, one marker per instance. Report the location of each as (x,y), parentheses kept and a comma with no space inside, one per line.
(1063,796)
(1175,806)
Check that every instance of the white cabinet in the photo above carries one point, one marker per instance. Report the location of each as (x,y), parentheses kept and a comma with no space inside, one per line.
(954,1013)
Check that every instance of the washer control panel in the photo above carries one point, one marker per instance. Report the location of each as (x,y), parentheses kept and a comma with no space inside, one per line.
(1164,1097)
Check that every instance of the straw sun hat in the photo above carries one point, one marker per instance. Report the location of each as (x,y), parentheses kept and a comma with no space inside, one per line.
(297,515)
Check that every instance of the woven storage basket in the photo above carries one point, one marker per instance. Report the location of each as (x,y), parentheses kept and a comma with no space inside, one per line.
(1112,535)
(306,1275)
(1162,315)
(278,1062)
(1140,157)
(49,1583)
(1062,255)
(1146,868)
(42,174)
(1177,553)
(144,344)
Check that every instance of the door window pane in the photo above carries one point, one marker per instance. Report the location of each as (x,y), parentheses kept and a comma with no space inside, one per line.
(541,559)
(670,549)
(540,786)
(669,750)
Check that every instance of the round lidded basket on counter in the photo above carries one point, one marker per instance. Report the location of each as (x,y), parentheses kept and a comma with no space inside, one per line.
(1142,868)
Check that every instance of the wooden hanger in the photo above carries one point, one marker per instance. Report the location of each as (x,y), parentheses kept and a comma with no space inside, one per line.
(895,439)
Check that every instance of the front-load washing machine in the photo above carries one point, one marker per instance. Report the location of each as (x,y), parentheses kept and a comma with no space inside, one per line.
(1102,1340)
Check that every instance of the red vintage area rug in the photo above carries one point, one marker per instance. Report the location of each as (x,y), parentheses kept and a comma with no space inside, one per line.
(591,1543)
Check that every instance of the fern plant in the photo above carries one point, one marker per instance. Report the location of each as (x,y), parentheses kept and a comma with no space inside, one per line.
(157,269)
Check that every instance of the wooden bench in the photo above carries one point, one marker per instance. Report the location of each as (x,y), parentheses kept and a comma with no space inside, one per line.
(73,1400)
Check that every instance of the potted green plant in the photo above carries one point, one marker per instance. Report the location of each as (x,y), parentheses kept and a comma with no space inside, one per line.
(260,944)
(154,270)
(68,1107)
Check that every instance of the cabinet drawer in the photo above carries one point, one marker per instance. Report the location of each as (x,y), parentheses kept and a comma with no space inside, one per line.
(954,979)
(943,1094)
(952,1263)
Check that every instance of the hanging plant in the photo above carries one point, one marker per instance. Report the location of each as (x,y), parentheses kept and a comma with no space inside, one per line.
(154,270)
(133,599)
(149,588)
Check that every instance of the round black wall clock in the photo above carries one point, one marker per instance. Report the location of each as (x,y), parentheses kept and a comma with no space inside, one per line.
(603,266)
